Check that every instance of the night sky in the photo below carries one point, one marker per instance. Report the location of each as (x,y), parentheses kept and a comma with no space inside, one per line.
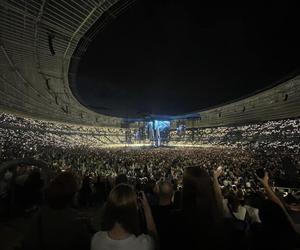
(173,57)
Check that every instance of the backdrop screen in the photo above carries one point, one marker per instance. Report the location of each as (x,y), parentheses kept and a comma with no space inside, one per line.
(161,125)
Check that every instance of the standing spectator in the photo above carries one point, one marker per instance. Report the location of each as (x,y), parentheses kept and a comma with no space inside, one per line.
(120,227)
(85,193)
(162,212)
(278,230)
(57,225)
(198,224)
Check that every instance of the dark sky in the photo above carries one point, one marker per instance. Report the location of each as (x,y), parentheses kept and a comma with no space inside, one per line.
(173,57)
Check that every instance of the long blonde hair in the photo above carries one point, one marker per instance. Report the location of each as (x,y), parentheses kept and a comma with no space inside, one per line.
(121,207)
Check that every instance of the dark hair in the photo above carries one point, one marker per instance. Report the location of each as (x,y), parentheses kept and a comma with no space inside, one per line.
(199,207)
(165,190)
(61,190)
(121,178)
(121,207)
(233,202)
(198,194)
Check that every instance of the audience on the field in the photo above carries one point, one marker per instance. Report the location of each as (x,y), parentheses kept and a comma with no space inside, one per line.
(209,216)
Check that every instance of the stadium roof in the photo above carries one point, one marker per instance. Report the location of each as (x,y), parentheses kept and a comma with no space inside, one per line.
(176,57)
(44,47)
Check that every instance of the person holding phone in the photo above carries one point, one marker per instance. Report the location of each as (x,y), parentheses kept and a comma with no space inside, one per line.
(121,225)
(278,229)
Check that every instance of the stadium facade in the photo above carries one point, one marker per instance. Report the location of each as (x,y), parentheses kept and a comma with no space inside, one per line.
(41,41)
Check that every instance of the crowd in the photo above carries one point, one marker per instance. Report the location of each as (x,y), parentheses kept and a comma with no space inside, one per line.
(270,134)
(29,132)
(12,121)
(157,177)
(215,197)
(148,163)
(280,134)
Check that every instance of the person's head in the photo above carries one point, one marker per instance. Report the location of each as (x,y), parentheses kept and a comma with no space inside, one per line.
(233,201)
(121,178)
(35,174)
(226,191)
(200,210)
(165,193)
(61,190)
(254,200)
(121,208)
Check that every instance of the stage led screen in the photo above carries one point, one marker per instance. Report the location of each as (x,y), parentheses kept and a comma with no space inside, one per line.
(161,125)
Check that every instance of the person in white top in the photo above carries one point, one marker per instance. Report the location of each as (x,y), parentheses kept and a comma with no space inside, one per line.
(253,214)
(120,226)
(102,240)
(239,212)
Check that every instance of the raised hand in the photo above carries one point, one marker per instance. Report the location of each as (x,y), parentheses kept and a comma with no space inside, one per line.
(265,179)
(218,172)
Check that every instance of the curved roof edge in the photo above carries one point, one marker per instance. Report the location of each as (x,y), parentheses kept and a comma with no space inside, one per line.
(38,41)
(279,102)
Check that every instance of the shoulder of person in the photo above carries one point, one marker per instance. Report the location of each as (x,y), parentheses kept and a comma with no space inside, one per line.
(145,240)
(99,236)
(242,208)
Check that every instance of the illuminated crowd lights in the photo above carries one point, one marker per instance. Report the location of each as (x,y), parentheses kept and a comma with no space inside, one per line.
(28,133)
(270,134)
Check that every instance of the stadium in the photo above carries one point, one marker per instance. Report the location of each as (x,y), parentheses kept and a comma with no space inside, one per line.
(134,124)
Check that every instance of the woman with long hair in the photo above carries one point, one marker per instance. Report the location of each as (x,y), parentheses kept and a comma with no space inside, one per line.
(121,225)
(198,223)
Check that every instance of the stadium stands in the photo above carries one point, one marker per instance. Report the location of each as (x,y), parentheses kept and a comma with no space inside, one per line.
(71,178)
